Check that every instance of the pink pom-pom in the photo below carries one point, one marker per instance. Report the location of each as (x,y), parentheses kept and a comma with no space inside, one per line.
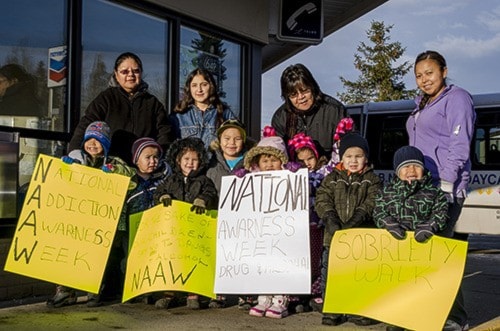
(268,131)
(345,125)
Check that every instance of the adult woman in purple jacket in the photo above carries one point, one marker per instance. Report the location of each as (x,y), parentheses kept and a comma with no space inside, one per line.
(442,126)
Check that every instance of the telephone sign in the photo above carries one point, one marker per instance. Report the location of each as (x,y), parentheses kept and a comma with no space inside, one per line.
(301,21)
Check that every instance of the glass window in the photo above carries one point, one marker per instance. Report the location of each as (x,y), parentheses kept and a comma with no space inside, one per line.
(487,138)
(32,41)
(219,56)
(108,31)
(487,149)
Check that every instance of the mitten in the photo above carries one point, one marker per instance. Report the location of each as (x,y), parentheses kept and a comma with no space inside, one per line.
(241,172)
(356,219)
(293,166)
(68,160)
(166,199)
(424,231)
(447,188)
(108,167)
(332,222)
(395,229)
(198,206)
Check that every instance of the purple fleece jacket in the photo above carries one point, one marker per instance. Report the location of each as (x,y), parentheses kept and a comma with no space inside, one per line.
(443,131)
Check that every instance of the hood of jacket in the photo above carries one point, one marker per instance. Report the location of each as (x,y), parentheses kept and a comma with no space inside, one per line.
(191,143)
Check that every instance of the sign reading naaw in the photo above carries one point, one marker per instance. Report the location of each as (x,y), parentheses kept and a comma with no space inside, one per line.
(173,249)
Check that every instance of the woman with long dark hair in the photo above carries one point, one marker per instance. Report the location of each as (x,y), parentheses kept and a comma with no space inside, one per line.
(441,126)
(200,112)
(307,109)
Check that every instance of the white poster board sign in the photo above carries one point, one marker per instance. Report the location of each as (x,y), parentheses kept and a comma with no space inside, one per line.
(263,234)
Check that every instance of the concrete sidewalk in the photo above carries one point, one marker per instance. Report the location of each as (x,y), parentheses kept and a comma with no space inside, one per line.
(146,317)
(481,286)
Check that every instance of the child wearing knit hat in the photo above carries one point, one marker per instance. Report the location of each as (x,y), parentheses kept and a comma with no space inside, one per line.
(93,153)
(269,154)
(344,200)
(229,150)
(151,170)
(410,202)
(303,149)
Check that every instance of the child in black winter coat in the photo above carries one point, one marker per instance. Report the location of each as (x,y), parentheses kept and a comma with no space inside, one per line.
(188,159)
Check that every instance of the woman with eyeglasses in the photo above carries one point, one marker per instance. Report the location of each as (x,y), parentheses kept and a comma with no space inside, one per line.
(200,112)
(307,109)
(129,109)
(18,92)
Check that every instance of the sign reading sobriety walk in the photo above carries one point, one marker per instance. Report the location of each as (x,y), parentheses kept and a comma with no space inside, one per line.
(67,224)
(263,234)
(400,282)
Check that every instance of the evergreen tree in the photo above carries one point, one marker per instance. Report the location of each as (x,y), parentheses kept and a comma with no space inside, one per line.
(379,81)
(41,83)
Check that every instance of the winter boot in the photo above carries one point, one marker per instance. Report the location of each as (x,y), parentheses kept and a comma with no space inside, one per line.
(264,302)
(279,308)
(64,297)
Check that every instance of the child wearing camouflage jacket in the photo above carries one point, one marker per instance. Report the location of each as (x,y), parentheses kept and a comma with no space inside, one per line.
(410,202)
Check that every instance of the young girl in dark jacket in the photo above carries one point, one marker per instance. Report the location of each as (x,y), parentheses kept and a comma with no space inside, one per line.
(188,159)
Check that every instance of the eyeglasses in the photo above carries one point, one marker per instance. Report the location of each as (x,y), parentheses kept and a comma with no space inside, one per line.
(298,93)
(125,72)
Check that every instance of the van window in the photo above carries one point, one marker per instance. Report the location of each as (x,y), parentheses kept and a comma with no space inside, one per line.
(385,134)
(486,151)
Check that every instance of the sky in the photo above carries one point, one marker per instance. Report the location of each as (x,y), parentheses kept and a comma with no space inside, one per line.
(465,32)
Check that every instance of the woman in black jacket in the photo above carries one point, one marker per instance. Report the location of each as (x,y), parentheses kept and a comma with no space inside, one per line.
(307,109)
(129,109)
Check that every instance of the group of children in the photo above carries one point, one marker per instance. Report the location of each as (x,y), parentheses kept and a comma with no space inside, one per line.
(344,193)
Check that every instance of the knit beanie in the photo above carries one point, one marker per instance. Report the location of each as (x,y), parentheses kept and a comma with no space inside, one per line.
(141,143)
(407,155)
(301,140)
(353,140)
(273,145)
(232,123)
(101,132)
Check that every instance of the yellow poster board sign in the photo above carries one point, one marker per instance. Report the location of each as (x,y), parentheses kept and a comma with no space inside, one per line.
(67,224)
(400,282)
(173,249)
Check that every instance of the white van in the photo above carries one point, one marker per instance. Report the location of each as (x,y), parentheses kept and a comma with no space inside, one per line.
(383,125)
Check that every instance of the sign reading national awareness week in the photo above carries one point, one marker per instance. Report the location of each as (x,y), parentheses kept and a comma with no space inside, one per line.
(67,224)
(263,234)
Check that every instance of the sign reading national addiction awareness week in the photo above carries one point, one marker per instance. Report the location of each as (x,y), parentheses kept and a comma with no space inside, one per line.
(400,282)
(263,233)
(173,249)
(67,224)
